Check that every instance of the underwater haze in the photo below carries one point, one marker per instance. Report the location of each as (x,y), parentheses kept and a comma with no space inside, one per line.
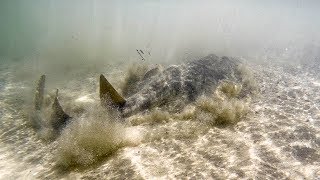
(95,30)
(264,126)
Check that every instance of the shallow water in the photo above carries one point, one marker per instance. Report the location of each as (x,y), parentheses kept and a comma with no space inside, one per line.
(278,139)
(273,134)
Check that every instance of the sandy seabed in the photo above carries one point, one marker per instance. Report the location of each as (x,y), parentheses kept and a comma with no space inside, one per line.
(279,138)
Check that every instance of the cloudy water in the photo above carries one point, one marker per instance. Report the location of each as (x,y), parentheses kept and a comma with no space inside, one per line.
(264,126)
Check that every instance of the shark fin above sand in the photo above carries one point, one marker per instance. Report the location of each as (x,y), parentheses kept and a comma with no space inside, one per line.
(58,117)
(38,100)
(107,92)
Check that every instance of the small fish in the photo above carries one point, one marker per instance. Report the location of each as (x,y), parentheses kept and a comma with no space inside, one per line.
(140,54)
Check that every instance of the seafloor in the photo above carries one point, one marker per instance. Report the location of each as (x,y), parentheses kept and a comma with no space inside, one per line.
(279,139)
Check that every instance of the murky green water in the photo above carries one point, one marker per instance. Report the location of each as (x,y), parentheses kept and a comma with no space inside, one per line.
(276,137)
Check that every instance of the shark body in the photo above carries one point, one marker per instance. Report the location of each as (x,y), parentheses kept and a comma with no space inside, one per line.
(184,82)
(157,88)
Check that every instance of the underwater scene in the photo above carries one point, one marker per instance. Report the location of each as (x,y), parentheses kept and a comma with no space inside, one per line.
(159,89)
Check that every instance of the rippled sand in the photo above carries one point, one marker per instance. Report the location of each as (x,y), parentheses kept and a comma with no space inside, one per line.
(278,139)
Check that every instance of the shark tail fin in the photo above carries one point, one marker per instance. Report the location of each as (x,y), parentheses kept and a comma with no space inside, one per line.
(107,92)
(38,100)
(58,117)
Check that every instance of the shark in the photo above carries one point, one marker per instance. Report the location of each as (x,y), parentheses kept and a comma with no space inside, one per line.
(157,88)
(57,119)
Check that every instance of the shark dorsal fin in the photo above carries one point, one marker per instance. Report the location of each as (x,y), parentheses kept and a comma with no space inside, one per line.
(58,117)
(107,92)
(56,107)
(38,99)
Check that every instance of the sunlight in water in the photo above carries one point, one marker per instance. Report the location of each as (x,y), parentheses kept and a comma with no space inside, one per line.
(214,89)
